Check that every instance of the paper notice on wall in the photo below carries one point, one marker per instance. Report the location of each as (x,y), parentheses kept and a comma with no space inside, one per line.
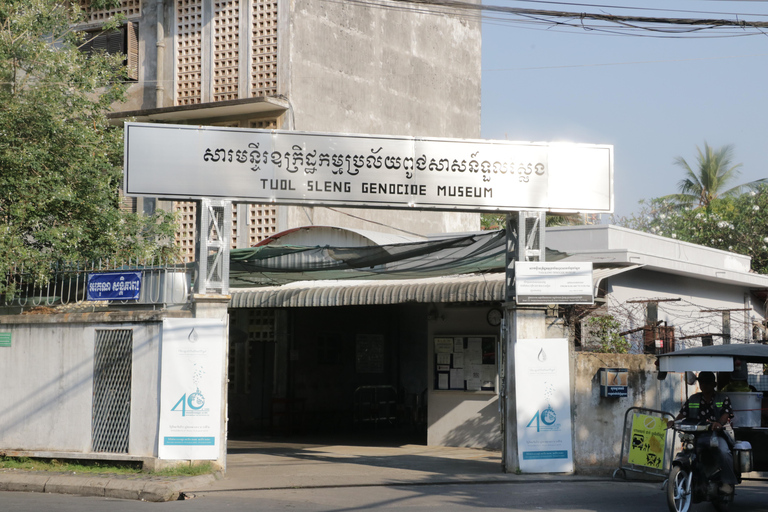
(443,358)
(191,388)
(443,345)
(458,345)
(458,360)
(474,353)
(442,380)
(473,375)
(457,379)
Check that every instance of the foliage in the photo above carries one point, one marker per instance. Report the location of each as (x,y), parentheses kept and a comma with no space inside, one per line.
(605,330)
(490,221)
(98,467)
(33,464)
(710,178)
(738,224)
(60,162)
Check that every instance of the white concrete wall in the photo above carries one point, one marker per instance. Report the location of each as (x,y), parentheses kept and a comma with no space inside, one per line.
(688,315)
(47,376)
(351,68)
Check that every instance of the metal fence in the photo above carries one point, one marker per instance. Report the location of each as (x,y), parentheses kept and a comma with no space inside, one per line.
(638,453)
(162,283)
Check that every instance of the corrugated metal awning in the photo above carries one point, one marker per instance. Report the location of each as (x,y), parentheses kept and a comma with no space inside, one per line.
(304,294)
(462,288)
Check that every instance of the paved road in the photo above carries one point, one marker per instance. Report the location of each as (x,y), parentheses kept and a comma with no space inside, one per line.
(598,496)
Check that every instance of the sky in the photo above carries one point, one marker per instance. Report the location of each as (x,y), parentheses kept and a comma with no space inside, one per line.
(652,98)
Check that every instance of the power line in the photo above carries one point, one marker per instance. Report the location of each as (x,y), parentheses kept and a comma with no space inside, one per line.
(665,61)
(630,8)
(581,20)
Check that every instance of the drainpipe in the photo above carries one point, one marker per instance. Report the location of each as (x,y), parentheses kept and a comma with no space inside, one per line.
(159,87)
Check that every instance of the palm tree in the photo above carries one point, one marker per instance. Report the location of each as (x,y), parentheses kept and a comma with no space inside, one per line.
(713,173)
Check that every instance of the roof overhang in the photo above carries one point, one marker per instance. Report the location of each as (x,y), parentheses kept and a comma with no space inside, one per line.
(614,245)
(261,106)
(598,274)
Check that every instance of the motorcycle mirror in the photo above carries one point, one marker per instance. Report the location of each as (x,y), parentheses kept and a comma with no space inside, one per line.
(690,378)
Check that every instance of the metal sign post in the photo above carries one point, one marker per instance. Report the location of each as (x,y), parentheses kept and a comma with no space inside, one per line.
(214,225)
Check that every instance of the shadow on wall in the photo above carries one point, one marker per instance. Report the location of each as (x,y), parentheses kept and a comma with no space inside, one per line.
(480,431)
(599,422)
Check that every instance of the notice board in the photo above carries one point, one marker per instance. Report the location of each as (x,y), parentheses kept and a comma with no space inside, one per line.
(465,362)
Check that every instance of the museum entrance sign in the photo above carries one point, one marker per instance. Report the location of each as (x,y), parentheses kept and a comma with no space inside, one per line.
(324,169)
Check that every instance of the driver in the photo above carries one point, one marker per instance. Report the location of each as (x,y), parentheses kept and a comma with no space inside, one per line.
(716,409)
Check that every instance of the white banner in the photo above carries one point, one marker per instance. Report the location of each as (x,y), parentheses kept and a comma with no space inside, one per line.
(542,282)
(287,167)
(191,386)
(542,381)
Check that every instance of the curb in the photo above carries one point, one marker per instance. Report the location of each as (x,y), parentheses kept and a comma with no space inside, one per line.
(469,480)
(101,486)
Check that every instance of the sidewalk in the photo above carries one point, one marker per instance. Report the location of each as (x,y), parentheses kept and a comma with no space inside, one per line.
(258,464)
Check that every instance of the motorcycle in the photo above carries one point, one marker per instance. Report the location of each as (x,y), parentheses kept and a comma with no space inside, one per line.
(695,473)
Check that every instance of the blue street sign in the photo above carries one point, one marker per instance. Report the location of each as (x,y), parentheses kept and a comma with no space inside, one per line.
(114,286)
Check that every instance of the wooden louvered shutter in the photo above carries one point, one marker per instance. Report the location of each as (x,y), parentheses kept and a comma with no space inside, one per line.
(132,50)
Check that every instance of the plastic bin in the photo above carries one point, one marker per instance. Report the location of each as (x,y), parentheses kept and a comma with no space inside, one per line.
(747,409)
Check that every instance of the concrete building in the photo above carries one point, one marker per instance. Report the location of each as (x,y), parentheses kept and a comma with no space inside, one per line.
(340,67)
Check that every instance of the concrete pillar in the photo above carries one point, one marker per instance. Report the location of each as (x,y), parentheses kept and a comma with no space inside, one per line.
(521,323)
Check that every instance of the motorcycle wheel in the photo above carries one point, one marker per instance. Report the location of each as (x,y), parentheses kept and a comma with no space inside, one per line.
(678,490)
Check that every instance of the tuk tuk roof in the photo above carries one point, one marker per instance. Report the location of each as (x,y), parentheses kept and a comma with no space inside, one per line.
(718,358)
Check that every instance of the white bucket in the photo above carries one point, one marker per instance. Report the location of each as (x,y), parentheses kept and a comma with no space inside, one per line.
(746,408)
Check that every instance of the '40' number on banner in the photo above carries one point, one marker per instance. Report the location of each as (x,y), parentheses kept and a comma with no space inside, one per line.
(194,401)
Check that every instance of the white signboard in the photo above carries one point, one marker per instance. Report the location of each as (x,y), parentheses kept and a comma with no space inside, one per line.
(553,283)
(191,388)
(271,166)
(543,406)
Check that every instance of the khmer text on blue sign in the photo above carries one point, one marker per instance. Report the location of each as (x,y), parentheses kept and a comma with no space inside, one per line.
(114,286)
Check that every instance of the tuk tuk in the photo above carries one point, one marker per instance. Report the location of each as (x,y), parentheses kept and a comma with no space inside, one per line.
(750,421)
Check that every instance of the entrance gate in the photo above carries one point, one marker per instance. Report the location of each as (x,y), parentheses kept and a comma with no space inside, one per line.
(273,166)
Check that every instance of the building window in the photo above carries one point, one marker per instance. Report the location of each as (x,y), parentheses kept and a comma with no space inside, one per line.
(124,40)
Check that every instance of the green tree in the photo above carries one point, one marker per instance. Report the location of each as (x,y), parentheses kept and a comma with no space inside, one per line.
(605,331)
(711,178)
(60,162)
